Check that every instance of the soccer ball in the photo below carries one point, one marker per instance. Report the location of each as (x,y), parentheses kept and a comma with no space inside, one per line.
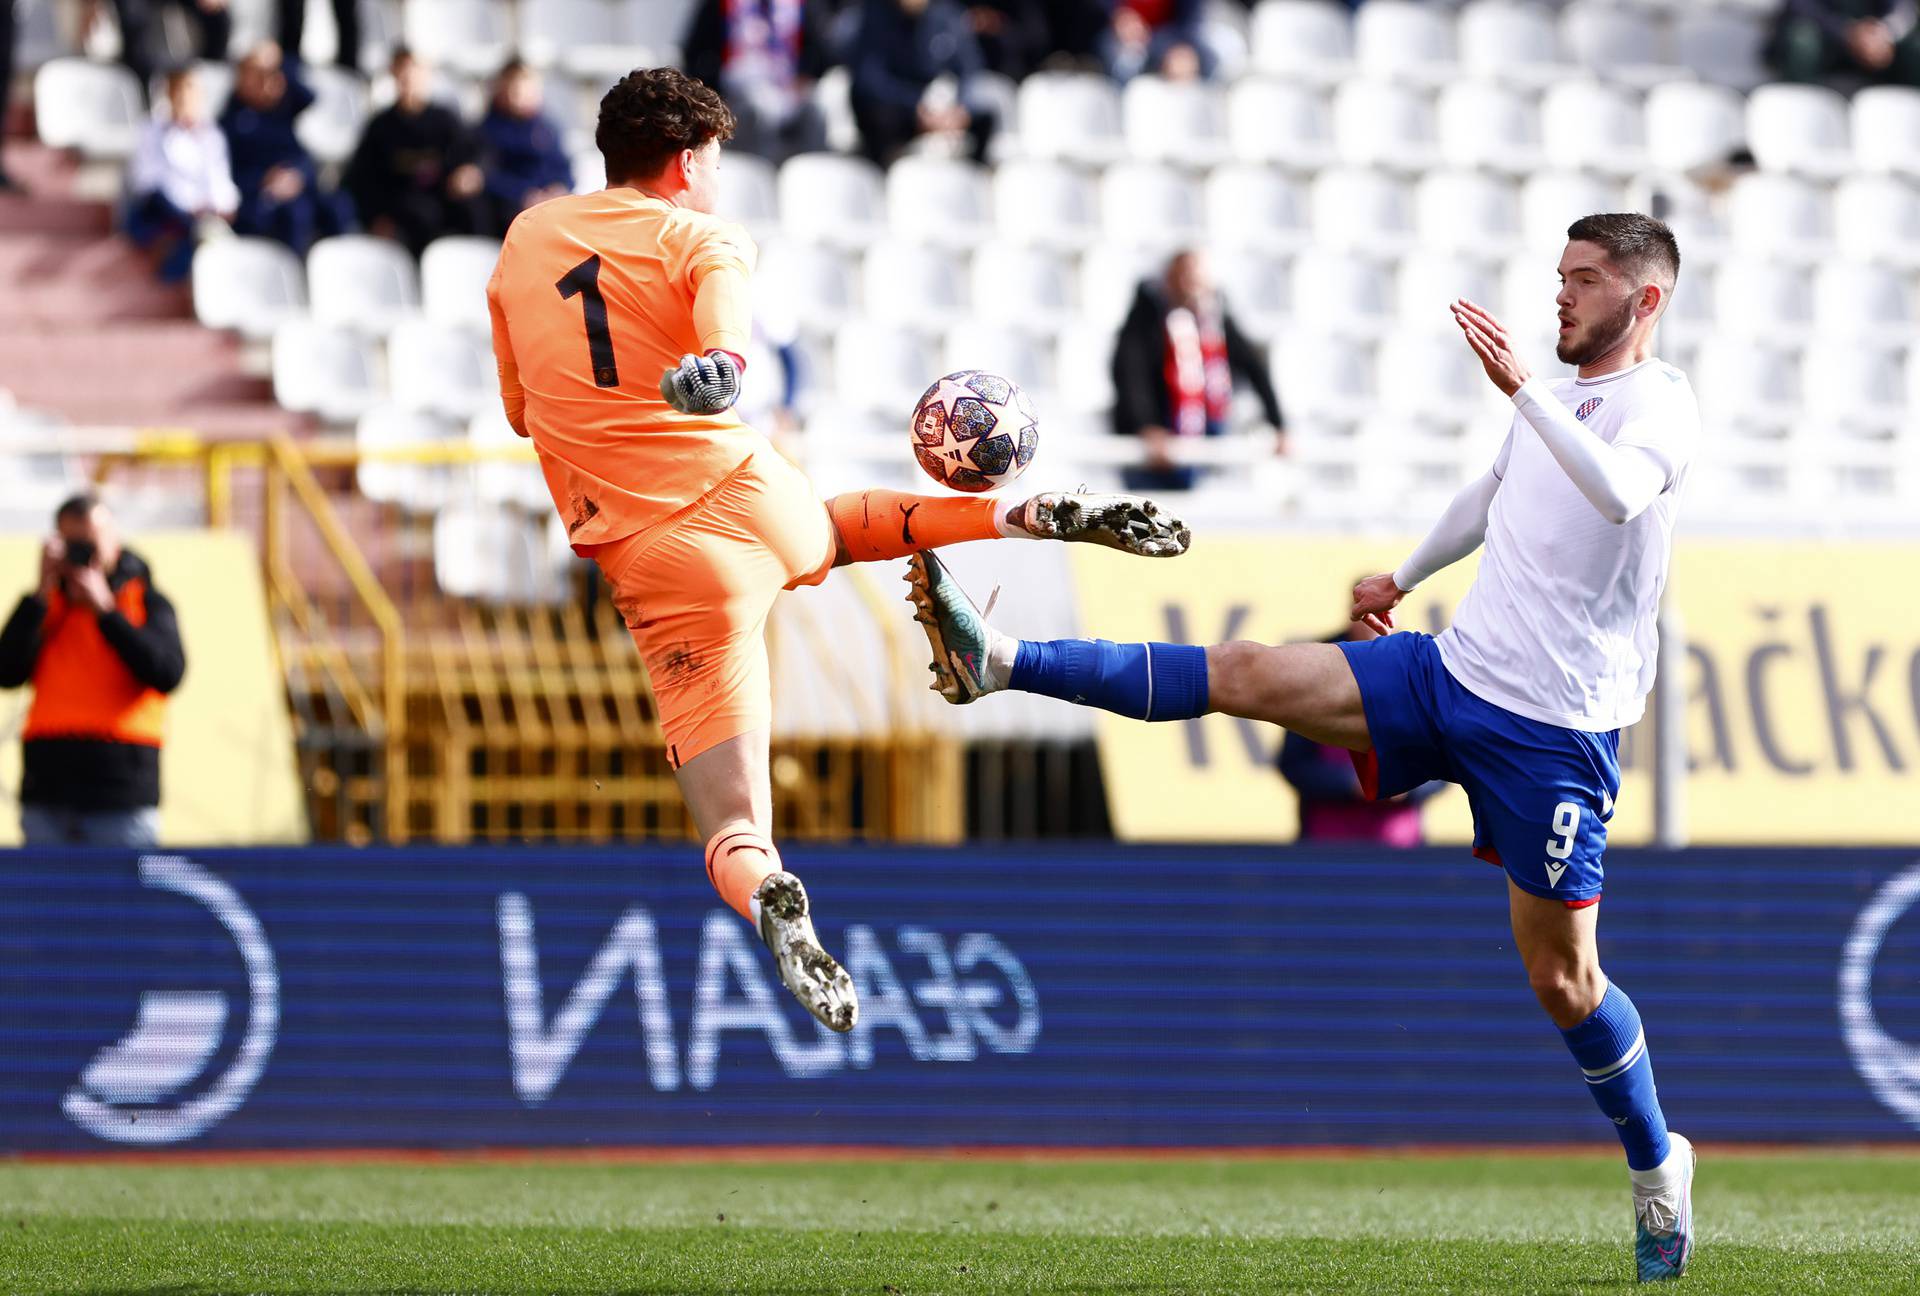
(974,431)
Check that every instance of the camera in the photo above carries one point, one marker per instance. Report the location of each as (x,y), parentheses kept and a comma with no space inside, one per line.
(79,553)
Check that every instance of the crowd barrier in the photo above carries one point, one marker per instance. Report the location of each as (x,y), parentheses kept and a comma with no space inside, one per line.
(1052,995)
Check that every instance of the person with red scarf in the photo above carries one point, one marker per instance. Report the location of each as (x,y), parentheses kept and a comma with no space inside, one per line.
(763,56)
(1175,366)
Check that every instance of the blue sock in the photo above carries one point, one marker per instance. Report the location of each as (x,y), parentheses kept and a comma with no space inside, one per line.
(1612,1050)
(1147,681)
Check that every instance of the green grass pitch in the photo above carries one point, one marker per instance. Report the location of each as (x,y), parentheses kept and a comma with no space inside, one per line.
(1534,1223)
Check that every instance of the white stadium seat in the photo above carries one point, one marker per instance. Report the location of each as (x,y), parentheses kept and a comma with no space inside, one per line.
(1614,42)
(1886,130)
(252,286)
(880,367)
(1765,300)
(1345,292)
(1258,289)
(1878,218)
(1072,116)
(95,108)
(825,198)
(418,487)
(1720,47)
(1691,125)
(1010,352)
(1552,200)
(1429,282)
(590,171)
(453,281)
(911,285)
(1493,127)
(1083,369)
(1280,122)
(1799,129)
(331,128)
(1746,386)
(1529,282)
(1430,376)
(500,480)
(1302,40)
(820,279)
(1690,313)
(1362,209)
(1382,124)
(1323,377)
(749,191)
(1503,40)
(1016,284)
(1769,214)
(360,282)
(1467,211)
(1147,205)
(1404,40)
(939,200)
(1182,122)
(1594,127)
(441,370)
(595,40)
(1856,385)
(469,36)
(498,555)
(329,372)
(1052,204)
(1110,273)
(1256,207)
(1853,299)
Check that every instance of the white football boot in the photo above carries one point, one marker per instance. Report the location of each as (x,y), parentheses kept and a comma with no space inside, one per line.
(1130,523)
(1663,1213)
(819,982)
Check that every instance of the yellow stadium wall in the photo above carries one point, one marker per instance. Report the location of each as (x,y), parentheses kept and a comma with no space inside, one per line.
(1803,687)
(228,774)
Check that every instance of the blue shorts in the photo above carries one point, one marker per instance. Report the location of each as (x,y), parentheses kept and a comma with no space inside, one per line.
(1541,795)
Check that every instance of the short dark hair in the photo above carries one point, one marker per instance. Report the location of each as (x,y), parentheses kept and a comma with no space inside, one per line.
(513,67)
(1640,245)
(76,506)
(651,114)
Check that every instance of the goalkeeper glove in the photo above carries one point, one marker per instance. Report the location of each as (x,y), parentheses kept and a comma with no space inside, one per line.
(703,384)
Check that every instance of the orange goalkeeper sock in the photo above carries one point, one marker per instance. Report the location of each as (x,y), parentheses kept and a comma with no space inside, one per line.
(739,859)
(881,524)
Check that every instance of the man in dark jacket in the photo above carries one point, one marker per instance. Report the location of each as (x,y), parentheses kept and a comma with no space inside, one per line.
(1175,366)
(102,650)
(280,193)
(1847,41)
(525,162)
(913,69)
(416,174)
(764,56)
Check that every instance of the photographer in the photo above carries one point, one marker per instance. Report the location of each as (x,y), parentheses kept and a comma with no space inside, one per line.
(102,649)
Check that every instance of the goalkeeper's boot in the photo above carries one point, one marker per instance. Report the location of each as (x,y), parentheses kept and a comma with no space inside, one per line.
(1130,523)
(820,984)
(970,657)
(1663,1213)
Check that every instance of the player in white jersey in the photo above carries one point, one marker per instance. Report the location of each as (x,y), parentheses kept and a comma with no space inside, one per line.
(1521,700)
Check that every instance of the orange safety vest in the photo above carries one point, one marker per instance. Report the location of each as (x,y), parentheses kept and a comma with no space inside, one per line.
(81,688)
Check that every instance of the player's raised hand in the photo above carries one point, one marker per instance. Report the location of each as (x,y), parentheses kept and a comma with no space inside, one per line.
(1489,340)
(1374,600)
(702,384)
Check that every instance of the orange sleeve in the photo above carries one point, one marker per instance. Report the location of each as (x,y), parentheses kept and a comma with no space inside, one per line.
(512,395)
(722,310)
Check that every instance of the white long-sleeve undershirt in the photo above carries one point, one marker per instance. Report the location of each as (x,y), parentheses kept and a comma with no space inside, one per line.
(1620,481)
(1460,530)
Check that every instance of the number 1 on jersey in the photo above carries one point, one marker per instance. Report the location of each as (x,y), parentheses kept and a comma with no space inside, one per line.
(584,281)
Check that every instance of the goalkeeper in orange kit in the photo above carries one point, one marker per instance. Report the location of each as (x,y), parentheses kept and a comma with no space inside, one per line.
(619,322)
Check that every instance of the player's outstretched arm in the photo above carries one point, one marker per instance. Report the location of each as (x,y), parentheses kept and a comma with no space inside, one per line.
(1460,530)
(1619,481)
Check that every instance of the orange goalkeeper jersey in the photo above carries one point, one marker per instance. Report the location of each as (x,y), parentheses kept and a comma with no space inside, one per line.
(592,301)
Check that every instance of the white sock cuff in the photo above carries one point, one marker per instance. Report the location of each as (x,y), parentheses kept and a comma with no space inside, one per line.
(1003,511)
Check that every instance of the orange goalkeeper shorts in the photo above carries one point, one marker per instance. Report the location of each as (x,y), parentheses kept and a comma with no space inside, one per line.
(696,589)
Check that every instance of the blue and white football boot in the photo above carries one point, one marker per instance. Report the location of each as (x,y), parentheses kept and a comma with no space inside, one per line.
(1663,1213)
(965,665)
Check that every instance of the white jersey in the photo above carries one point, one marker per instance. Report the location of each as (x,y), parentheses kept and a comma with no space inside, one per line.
(1560,623)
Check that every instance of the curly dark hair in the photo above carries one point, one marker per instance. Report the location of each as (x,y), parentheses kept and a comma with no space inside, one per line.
(653,113)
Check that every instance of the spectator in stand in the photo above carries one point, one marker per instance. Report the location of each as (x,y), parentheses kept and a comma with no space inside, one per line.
(1848,42)
(764,56)
(180,182)
(524,161)
(211,20)
(1013,35)
(1332,806)
(416,173)
(913,70)
(292,28)
(280,193)
(102,650)
(1075,29)
(1175,366)
(1163,36)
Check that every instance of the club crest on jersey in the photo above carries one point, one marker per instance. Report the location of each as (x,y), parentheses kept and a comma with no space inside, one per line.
(1587,407)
